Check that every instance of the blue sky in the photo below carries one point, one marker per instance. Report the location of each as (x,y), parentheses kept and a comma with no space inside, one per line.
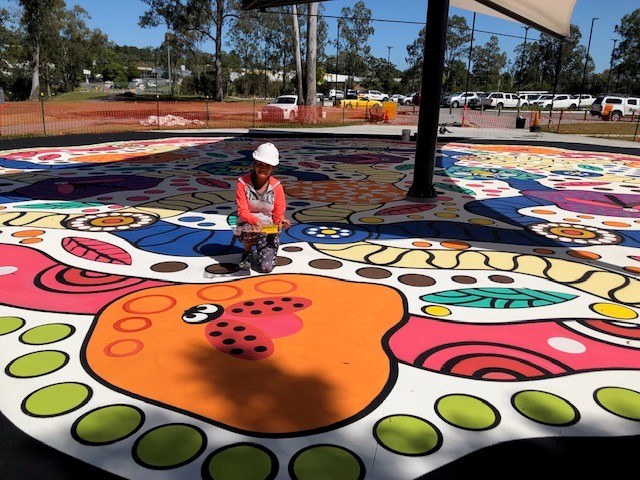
(119,20)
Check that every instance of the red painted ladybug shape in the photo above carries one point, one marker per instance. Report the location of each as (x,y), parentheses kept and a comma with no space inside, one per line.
(246,329)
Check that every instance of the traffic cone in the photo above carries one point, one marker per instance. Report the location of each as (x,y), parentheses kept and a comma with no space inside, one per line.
(386,117)
(535,126)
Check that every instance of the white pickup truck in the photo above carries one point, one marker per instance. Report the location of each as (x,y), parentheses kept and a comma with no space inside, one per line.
(500,100)
(612,107)
(374,95)
(560,101)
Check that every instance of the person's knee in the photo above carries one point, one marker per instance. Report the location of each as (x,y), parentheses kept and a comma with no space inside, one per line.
(267,267)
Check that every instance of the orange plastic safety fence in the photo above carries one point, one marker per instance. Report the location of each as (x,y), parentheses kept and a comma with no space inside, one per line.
(19,119)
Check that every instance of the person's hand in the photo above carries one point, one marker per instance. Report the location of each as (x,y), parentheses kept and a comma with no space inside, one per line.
(285,223)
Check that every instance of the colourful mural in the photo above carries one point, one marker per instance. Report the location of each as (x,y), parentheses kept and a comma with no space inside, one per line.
(391,339)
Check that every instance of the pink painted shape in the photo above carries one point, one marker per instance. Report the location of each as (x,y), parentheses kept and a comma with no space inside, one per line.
(273,326)
(421,334)
(20,289)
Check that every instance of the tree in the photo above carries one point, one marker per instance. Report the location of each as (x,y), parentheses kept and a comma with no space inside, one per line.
(488,62)
(455,72)
(296,52)
(458,37)
(312,39)
(194,20)
(37,17)
(628,52)
(356,31)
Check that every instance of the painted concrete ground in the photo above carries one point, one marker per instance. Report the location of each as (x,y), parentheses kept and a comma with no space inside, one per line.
(393,338)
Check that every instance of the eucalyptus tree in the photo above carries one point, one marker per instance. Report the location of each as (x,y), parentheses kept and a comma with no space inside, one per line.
(357,29)
(194,20)
(38,19)
(456,48)
(76,46)
(488,62)
(312,45)
(627,53)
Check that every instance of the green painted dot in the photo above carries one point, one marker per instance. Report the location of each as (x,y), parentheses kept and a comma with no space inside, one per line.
(107,424)
(10,324)
(620,401)
(246,462)
(465,411)
(47,334)
(327,462)
(407,435)
(545,408)
(169,446)
(590,167)
(57,399)
(37,363)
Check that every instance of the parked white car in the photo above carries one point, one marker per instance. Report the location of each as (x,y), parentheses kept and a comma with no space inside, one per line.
(335,94)
(613,107)
(585,100)
(560,101)
(501,100)
(457,99)
(285,107)
(374,95)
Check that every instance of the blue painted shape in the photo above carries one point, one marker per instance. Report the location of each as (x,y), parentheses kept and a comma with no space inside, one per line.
(327,233)
(168,239)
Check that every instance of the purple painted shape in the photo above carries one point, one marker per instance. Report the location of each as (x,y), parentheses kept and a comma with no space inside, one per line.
(593,203)
(84,187)
(363,159)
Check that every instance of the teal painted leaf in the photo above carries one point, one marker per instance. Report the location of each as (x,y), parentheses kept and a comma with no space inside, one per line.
(404,167)
(498,297)
(453,188)
(60,205)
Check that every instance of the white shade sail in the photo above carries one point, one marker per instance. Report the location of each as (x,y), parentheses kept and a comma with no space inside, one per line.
(549,16)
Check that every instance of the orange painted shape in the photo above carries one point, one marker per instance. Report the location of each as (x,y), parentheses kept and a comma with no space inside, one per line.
(332,369)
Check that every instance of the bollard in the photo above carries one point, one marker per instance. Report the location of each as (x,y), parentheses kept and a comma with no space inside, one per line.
(406,134)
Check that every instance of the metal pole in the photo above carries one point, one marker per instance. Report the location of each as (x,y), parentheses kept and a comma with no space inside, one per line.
(555,82)
(44,123)
(265,67)
(586,62)
(422,189)
(169,61)
(466,88)
(524,46)
(389,54)
(615,40)
(335,100)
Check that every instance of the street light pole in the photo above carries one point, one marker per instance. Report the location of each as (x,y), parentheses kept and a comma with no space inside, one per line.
(615,40)
(586,62)
(466,89)
(337,57)
(524,47)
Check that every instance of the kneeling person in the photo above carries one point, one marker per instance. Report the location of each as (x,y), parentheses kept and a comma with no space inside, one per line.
(261,202)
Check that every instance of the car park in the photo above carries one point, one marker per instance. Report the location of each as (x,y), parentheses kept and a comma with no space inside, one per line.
(285,107)
(459,99)
(614,107)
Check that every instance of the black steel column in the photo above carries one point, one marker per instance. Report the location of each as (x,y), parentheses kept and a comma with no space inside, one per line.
(422,189)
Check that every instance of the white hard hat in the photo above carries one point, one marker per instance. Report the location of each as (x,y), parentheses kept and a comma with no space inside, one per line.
(267,153)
